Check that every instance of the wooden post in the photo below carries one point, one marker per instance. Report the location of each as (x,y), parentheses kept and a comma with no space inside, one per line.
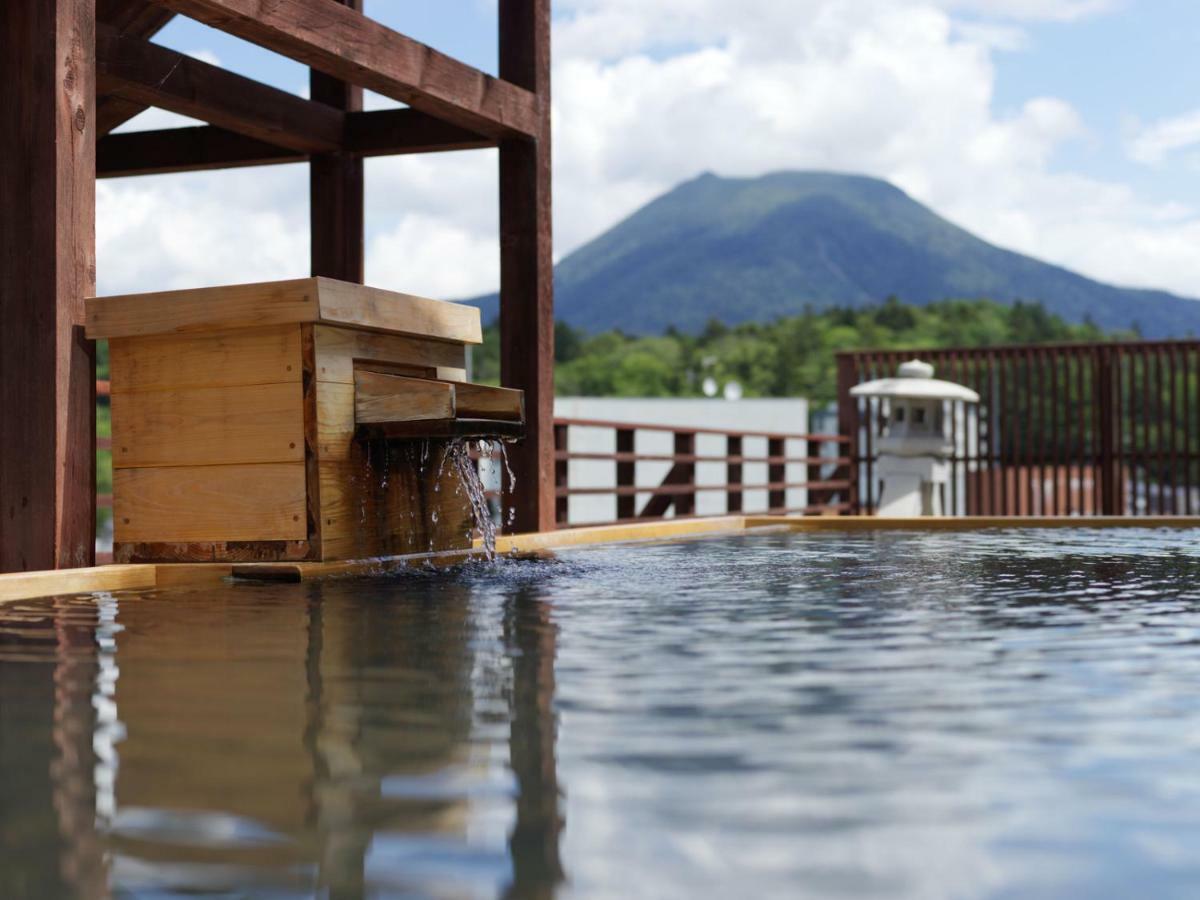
(1106,467)
(812,474)
(562,443)
(685,445)
(47,267)
(776,475)
(336,187)
(848,425)
(733,473)
(626,475)
(526,263)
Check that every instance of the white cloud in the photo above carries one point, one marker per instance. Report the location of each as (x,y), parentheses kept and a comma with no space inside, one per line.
(1154,143)
(648,93)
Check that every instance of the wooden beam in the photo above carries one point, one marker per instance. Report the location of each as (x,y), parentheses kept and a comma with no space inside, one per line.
(384,132)
(527,265)
(341,42)
(136,18)
(185,150)
(47,267)
(141,72)
(336,192)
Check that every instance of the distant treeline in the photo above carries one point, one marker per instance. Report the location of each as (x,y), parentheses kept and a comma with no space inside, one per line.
(790,357)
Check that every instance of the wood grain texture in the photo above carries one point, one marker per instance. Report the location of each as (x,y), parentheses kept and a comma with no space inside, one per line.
(339,349)
(365,514)
(47,265)
(258,423)
(337,40)
(392,398)
(143,72)
(303,300)
(136,18)
(59,582)
(270,355)
(336,217)
(207,553)
(356,305)
(526,264)
(203,309)
(210,503)
(482,401)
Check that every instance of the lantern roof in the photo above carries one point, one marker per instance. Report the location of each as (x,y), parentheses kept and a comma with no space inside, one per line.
(914,381)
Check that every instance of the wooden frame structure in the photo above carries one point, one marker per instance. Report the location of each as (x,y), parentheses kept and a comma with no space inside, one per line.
(73,70)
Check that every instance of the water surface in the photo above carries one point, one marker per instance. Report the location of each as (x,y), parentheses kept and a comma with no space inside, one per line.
(992,714)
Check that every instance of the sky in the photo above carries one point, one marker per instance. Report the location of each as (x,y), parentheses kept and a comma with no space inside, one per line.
(1065,129)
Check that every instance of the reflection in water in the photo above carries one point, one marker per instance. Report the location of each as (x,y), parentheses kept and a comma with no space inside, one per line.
(868,715)
(284,741)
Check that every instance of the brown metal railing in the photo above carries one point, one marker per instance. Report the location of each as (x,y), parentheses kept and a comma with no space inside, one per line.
(677,492)
(1061,429)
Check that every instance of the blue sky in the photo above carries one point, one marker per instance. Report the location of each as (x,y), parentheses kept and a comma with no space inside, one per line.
(1067,129)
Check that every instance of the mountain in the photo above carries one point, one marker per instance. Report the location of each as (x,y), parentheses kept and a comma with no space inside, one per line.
(755,249)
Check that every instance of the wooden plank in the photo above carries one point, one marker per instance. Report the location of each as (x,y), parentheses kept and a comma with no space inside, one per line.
(264,502)
(146,73)
(482,401)
(382,502)
(382,132)
(393,398)
(203,309)
(336,217)
(209,553)
(303,300)
(342,303)
(47,265)
(527,263)
(338,350)
(337,40)
(246,356)
(59,582)
(259,423)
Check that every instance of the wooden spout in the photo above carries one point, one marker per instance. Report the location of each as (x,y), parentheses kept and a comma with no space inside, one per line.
(400,406)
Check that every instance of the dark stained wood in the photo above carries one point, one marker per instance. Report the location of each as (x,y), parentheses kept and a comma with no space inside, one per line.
(312,467)
(561,473)
(384,132)
(193,149)
(337,40)
(526,262)
(47,267)
(626,473)
(211,551)
(135,18)
(336,215)
(733,473)
(142,72)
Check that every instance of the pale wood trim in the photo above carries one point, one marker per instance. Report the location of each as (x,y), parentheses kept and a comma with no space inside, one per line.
(303,300)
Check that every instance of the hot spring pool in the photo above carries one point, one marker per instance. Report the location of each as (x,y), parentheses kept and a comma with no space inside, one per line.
(986,714)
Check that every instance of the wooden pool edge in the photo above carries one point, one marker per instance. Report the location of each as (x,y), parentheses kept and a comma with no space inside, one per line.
(146,576)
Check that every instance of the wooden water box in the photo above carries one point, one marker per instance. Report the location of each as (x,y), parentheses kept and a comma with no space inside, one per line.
(293,420)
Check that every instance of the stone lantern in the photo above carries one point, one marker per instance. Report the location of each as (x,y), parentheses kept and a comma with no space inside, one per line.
(914,448)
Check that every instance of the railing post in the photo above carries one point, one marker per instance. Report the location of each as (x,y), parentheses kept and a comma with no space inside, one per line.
(847,412)
(733,473)
(561,484)
(1107,422)
(626,474)
(685,445)
(812,474)
(776,474)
